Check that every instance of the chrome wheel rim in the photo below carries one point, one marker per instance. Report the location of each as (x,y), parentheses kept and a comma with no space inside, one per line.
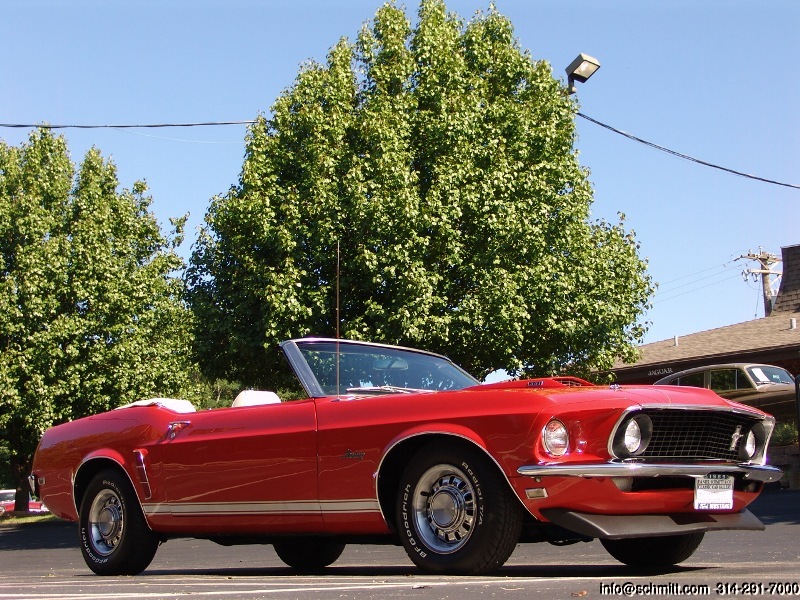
(106,522)
(444,508)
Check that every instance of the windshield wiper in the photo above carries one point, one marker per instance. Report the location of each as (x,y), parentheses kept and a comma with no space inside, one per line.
(385,389)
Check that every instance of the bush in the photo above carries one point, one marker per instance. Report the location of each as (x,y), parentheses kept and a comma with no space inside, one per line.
(784,434)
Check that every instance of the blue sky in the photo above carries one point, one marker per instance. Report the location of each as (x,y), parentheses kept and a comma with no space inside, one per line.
(712,79)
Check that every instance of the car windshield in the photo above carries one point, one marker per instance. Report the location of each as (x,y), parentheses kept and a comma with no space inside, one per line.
(763,374)
(7,495)
(370,369)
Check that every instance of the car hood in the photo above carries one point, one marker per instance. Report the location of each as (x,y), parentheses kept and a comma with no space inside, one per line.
(646,395)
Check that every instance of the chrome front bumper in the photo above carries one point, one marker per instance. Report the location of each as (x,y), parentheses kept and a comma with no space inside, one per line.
(762,473)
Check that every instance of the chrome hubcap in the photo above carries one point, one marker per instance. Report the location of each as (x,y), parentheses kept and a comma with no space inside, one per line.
(106,522)
(444,508)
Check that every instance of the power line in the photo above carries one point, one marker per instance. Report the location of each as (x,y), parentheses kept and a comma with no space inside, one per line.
(686,156)
(142,126)
(668,289)
(718,266)
(657,300)
(251,122)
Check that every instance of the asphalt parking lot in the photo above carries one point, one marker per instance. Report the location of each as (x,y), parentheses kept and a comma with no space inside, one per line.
(42,561)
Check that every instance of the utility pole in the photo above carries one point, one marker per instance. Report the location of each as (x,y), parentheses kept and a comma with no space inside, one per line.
(766,260)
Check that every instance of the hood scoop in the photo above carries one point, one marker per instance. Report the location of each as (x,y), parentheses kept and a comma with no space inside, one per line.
(538,384)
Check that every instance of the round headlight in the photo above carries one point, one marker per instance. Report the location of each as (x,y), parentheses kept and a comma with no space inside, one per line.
(633,436)
(555,438)
(750,444)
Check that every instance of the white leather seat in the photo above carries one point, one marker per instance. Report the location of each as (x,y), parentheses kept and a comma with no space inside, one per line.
(255,398)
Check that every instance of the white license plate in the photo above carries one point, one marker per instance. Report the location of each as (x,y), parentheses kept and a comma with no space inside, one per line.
(713,492)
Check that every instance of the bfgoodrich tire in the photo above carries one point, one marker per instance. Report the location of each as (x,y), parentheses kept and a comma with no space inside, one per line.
(455,511)
(114,536)
(654,552)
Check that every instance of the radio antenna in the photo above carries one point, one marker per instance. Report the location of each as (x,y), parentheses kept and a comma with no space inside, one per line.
(338,259)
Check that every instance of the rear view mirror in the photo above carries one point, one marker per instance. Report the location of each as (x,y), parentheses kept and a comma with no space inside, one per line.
(390,364)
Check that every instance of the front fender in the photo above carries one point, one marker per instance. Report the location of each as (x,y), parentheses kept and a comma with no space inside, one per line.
(401,449)
(435,429)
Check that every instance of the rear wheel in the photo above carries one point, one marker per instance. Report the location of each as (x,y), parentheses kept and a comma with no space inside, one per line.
(455,512)
(114,536)
(653,552)
(308,554)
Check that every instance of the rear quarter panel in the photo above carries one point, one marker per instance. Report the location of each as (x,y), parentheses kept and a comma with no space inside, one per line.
(65,448)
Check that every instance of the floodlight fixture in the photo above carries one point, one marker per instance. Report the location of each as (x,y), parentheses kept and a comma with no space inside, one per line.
(580,69)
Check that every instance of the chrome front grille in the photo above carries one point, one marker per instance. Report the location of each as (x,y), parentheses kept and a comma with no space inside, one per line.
(697,434)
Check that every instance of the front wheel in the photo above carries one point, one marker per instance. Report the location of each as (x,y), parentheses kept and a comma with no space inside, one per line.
(654,552)
(114,536)
(455,512)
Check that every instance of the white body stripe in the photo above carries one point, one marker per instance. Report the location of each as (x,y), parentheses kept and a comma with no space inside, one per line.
(263,508)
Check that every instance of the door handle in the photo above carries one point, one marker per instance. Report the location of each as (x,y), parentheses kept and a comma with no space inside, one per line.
(176,426)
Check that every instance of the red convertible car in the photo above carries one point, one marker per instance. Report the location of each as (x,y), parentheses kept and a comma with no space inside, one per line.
(399,446)
(7,502)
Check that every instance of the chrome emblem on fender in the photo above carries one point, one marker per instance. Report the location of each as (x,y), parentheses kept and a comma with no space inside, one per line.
(350,454)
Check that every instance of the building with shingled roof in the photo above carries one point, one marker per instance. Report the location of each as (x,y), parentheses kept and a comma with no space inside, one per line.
(773,340)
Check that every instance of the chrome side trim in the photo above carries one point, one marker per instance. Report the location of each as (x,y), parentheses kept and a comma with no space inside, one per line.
(194,509)
(763,473)
(141,471)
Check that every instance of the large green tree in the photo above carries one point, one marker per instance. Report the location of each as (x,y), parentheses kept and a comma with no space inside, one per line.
(441,160)
(91,313)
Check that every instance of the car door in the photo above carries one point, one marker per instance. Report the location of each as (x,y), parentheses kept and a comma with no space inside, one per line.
(251,469)
(731,383)
(353,432)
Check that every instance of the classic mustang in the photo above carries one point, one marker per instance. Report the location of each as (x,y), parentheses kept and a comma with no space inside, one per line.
(400,446)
